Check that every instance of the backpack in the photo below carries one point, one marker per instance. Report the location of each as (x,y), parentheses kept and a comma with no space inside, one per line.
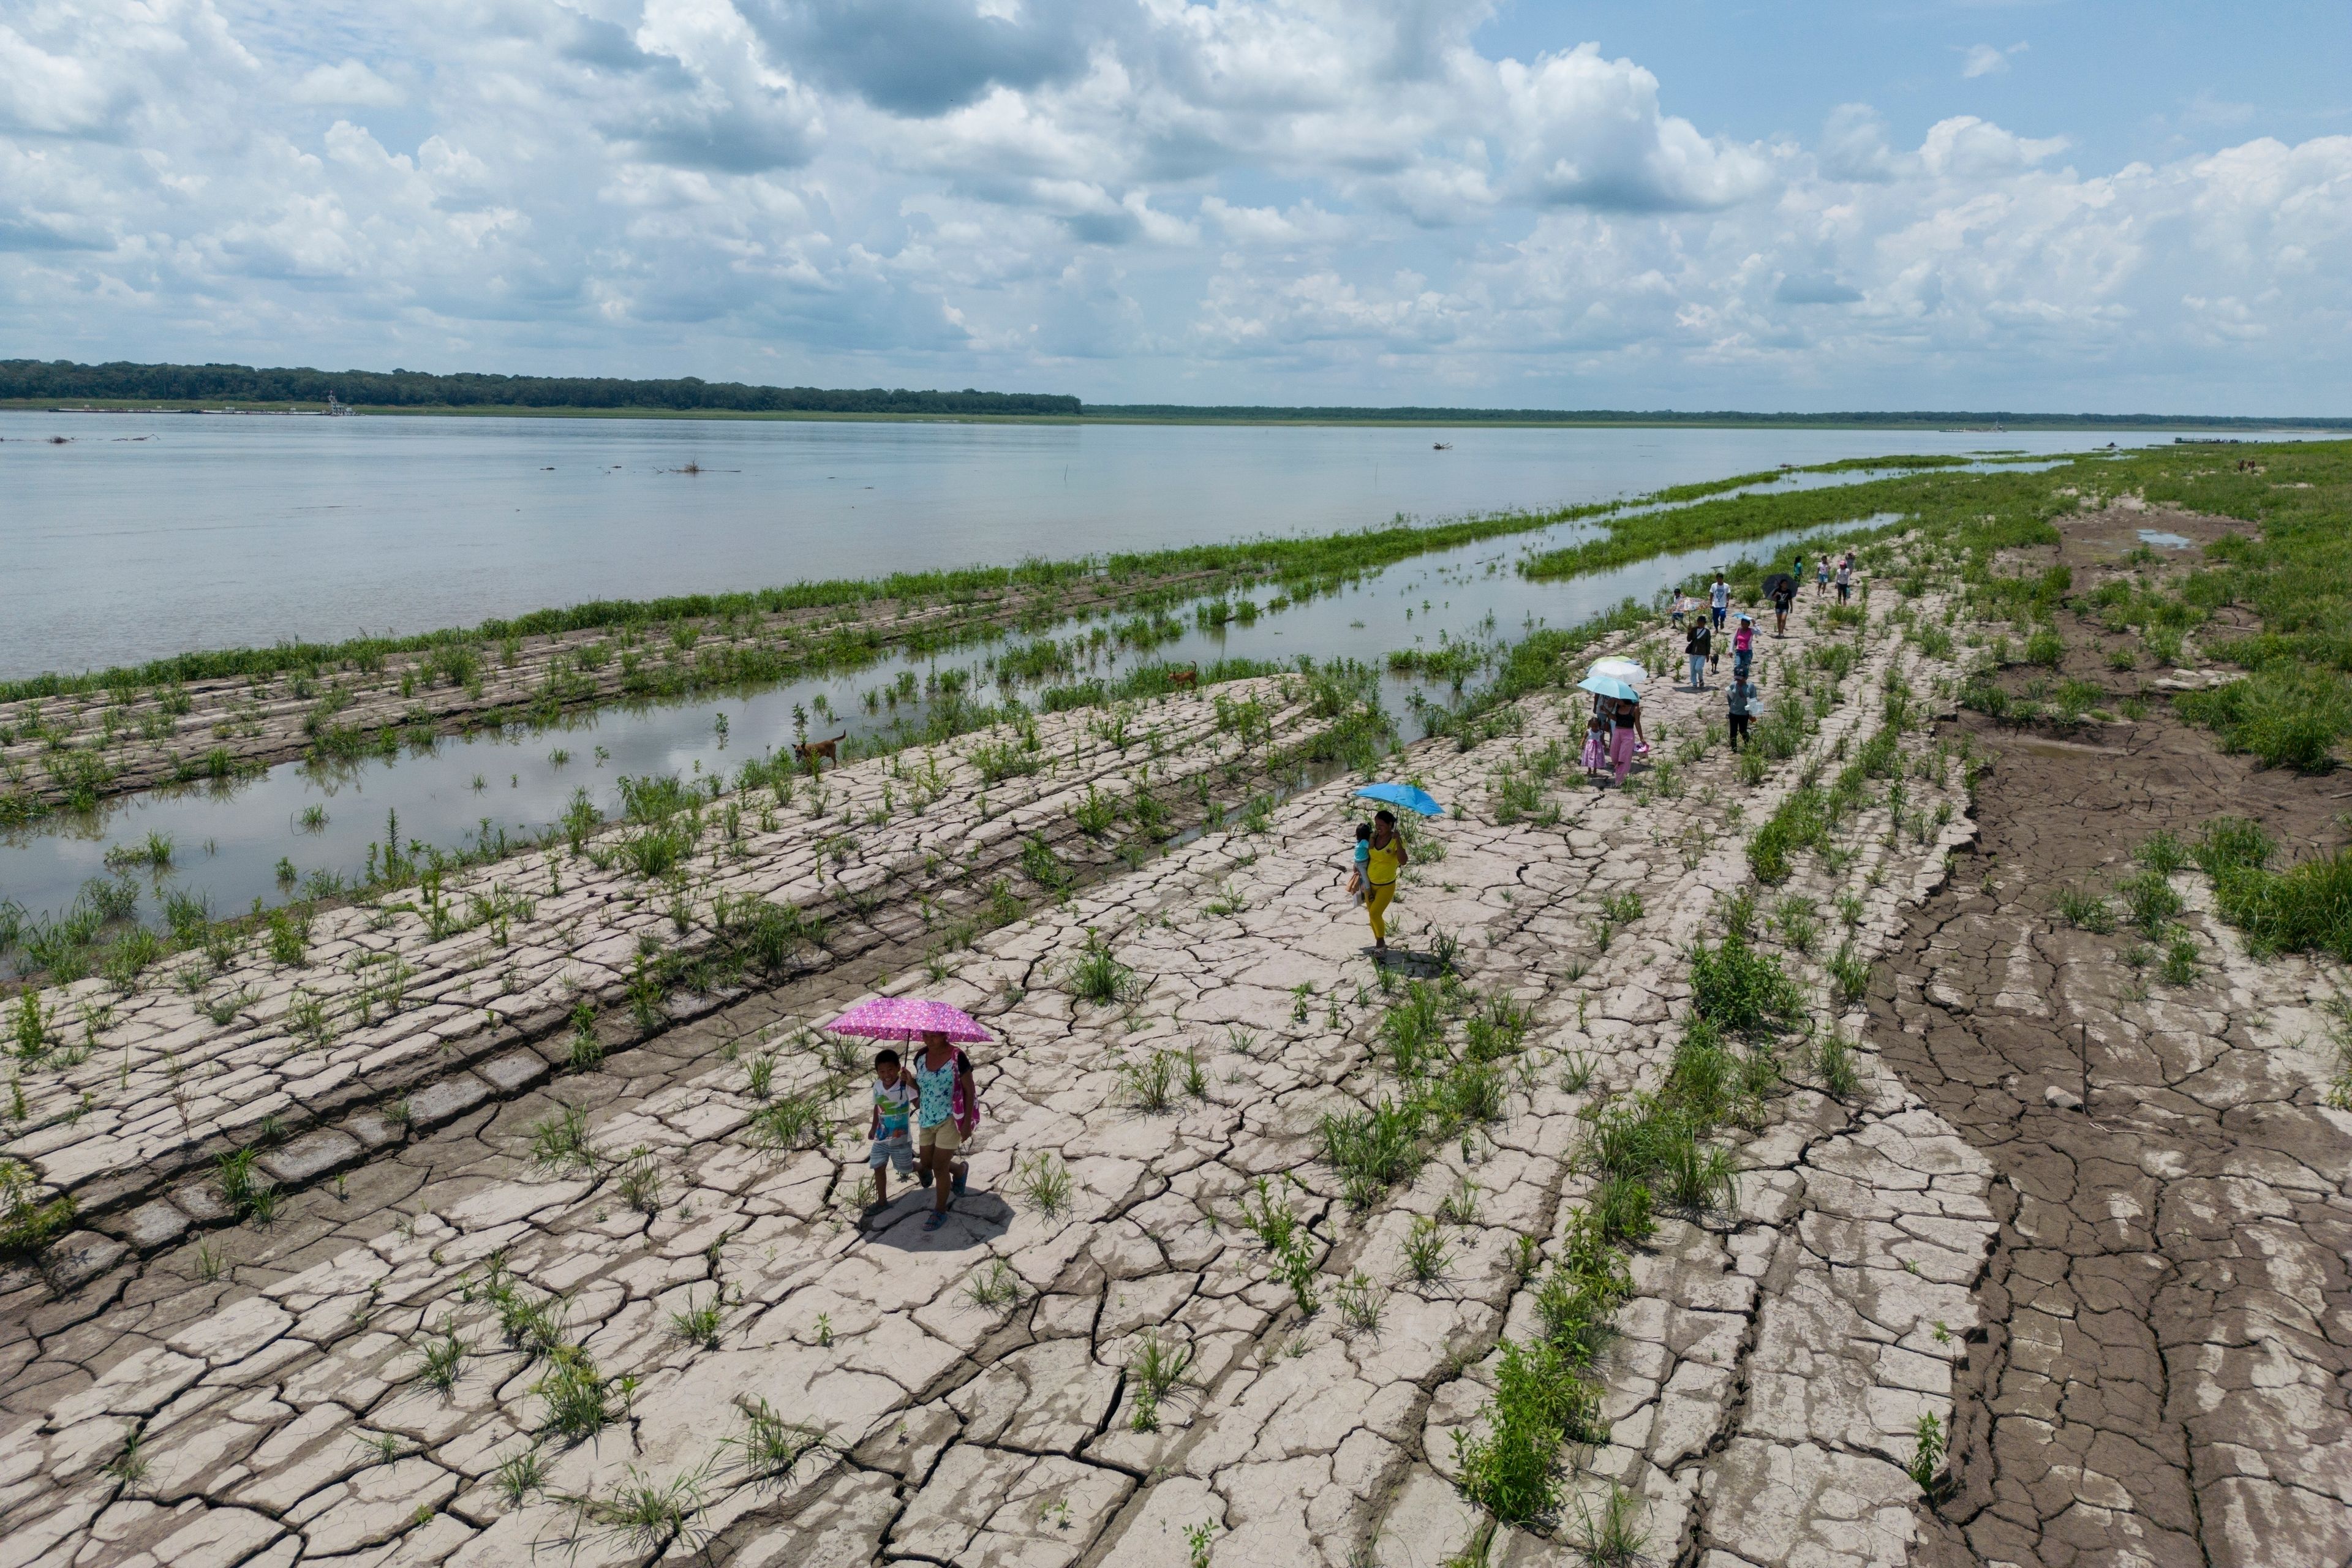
(963,1108)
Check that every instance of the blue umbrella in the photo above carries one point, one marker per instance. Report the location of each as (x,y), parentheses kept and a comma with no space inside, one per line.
(1609,685)
(1405,796)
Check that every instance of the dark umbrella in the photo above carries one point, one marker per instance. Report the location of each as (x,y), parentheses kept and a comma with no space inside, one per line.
(1778,584)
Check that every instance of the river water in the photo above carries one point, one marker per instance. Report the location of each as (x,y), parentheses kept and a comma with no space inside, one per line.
(231,842)
(152,534)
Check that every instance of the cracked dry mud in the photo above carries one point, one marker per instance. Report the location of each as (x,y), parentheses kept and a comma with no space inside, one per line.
(370,1033)
(2165,1381)
(1763,1390)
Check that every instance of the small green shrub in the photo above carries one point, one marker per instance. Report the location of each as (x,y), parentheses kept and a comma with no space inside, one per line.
(2086,911)
(1740,990)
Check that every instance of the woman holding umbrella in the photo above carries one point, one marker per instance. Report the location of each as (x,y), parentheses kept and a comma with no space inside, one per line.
(947,1110)
(947,1106)
(1612,683)
(1389,855)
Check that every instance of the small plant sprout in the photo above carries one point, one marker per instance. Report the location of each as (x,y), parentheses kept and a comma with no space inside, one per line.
(771,1446)
(1926,1453)
(994,1287)
(1043,1182)
(1834,1065)
(1196,1542)
(1425,1256)
(128,1466)
(559,1142)
(443,1357)
(1159,1372)
(1612,1535)
(520,1475)
(1359,1303)
(697,1323)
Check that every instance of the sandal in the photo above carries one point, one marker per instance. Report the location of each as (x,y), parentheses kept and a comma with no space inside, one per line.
(936,1218)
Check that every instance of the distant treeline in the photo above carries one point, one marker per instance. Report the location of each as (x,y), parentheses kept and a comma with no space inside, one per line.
(1254,414)
(65,381)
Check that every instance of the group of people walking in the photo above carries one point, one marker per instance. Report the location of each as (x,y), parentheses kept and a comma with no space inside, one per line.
(926,1109)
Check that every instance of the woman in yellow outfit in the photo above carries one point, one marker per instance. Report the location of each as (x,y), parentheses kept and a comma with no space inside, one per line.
(1380,875)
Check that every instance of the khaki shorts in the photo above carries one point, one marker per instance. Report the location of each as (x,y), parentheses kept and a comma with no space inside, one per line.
(945,1135)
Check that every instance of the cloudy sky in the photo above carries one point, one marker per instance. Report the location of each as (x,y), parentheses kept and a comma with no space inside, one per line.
(2063,204)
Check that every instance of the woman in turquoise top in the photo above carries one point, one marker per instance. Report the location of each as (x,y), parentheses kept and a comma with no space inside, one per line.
(942,1079)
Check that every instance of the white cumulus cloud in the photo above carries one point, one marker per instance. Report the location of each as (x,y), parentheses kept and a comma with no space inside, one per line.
(1984,59)
(1250,200)
(351,83)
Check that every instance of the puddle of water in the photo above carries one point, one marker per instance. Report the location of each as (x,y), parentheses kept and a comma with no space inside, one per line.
(232,842)
(2164,541)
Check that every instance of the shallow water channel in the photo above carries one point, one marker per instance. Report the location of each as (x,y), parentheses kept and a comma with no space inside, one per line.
(233,842)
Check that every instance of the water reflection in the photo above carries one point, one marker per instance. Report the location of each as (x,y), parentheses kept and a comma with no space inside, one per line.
(306,827)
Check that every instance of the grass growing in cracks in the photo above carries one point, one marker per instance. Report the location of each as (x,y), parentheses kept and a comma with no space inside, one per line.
(1644,1150)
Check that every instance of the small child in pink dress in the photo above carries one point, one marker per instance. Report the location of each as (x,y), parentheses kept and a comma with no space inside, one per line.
(1596,745)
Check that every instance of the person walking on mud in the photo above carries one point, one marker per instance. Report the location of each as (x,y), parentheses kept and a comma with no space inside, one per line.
(1846,578)
(1742,704)
(1381,867)
(1699,645)
(1624,734)
(946,1109)
(1718,599)
(1784,597)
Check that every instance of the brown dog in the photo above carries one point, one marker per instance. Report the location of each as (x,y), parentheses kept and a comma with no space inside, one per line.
(829,749)
(1184,679)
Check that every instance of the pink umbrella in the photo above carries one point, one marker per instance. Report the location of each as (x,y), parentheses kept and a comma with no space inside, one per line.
(907,1018)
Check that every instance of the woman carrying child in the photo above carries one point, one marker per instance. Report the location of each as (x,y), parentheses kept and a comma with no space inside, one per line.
(1387,858)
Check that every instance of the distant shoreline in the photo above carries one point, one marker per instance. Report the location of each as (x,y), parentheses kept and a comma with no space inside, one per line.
(1270,419)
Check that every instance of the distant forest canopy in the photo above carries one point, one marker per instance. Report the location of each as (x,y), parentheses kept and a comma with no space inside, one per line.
(67,381)
(1931,418)
(63,381)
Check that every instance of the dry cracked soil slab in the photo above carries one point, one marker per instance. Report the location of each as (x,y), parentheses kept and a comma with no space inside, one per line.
(2165,1380)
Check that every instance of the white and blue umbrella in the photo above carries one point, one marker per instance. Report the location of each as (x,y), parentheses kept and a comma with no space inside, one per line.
(1625,669)
(1609,685)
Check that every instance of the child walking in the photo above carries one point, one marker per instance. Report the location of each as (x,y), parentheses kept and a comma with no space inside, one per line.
(891,1130)
(1743,705)
(1596,744)
(1359,887)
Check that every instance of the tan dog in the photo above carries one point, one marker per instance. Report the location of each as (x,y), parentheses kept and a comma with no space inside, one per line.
(1184,679)
(829,749)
